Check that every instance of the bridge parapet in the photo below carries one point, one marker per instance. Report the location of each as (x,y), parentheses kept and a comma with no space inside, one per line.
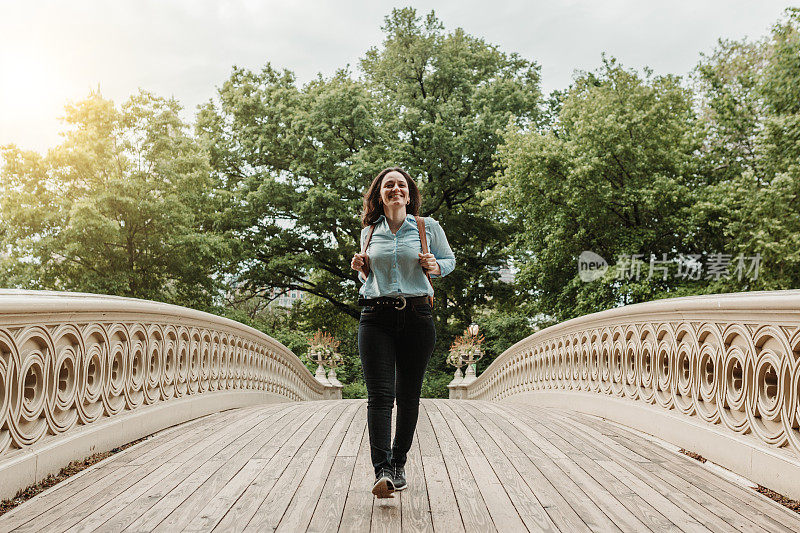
(719,375)
(82,373)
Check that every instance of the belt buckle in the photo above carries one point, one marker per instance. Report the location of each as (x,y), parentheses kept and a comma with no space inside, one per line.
(402,306)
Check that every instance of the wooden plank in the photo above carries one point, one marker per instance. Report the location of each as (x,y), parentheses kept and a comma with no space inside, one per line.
(523,497)
(619,502)
(75,513)
(470,498)
(44,521)
(331,505)
(500,449)
(267,463)
(281,431)
(745,501)
(357,514)
(215,444)
(501,438)
(623,505)
(328,512)
(597,437)
(177,496)
(664,505)
(352,439)
(693,496)
(129,504)
(56,503)
(215,508)
(623,469)
(386,515)
(193,506)
(559,511)
(656,511)
(592,516)
(427,438)
(78,489)
(184,440)
(440,489)
(277,453)
(99,516)
(701,479)
(271,510)
(301,507)
(387,512)
(416,511)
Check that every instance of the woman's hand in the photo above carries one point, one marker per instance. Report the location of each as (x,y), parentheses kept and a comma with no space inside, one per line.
(360,263)
(428,262)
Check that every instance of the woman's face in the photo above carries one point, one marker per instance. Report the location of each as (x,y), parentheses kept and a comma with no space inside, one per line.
(394,190)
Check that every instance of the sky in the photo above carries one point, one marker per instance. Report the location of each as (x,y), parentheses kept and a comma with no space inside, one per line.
(53,52)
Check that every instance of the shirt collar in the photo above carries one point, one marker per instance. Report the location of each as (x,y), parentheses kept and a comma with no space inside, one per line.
(409,218)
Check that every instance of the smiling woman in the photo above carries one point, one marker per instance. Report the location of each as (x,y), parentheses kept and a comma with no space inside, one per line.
(396,332)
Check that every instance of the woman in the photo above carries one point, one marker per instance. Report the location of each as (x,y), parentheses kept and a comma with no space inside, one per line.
(396,333)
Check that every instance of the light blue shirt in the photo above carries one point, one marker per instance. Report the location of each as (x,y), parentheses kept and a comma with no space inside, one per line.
(394,258)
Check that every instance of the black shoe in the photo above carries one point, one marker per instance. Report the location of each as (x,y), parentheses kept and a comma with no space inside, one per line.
(384,484)
(399,478)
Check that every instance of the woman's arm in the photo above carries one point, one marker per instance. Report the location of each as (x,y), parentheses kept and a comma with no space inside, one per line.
(440,249)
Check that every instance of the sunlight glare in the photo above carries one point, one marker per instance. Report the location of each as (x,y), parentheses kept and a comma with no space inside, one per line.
(31,89)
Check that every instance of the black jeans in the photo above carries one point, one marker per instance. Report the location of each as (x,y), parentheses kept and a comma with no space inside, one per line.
(395,347)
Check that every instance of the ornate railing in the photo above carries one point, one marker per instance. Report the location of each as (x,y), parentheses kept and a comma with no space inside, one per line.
(731,361)
(71,362)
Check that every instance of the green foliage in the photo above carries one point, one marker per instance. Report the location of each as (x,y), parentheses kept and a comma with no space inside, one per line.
(503,329)
(297,160)
(751,92)
(633,163)
(123,206)
(354,389)
(434,384)
(266,192)
(615,174)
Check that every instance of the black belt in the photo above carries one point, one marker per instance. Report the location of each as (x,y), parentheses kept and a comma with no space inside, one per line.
(398,302)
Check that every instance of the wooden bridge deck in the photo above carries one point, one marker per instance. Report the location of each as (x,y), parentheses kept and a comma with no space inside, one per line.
(475,466)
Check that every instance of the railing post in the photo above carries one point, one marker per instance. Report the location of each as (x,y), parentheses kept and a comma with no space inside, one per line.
(456,387)
(320,375)
(333,388)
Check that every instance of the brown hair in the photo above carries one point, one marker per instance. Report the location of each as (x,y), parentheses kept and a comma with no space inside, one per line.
(373,209)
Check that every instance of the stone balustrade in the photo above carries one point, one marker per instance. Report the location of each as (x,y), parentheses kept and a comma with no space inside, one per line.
(719,375)
(81,373)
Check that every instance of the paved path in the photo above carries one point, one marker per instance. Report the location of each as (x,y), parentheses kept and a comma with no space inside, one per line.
(475,466)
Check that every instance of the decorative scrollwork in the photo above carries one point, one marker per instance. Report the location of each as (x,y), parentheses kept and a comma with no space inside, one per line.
(737,367)
(72,366)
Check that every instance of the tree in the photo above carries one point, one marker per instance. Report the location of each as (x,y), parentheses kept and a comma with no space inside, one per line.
(770,221)
(296,160)
(123,206)
(749,98)
(614,174)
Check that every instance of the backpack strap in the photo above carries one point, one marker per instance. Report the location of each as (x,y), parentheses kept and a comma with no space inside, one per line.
(424,240)
(369,237)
